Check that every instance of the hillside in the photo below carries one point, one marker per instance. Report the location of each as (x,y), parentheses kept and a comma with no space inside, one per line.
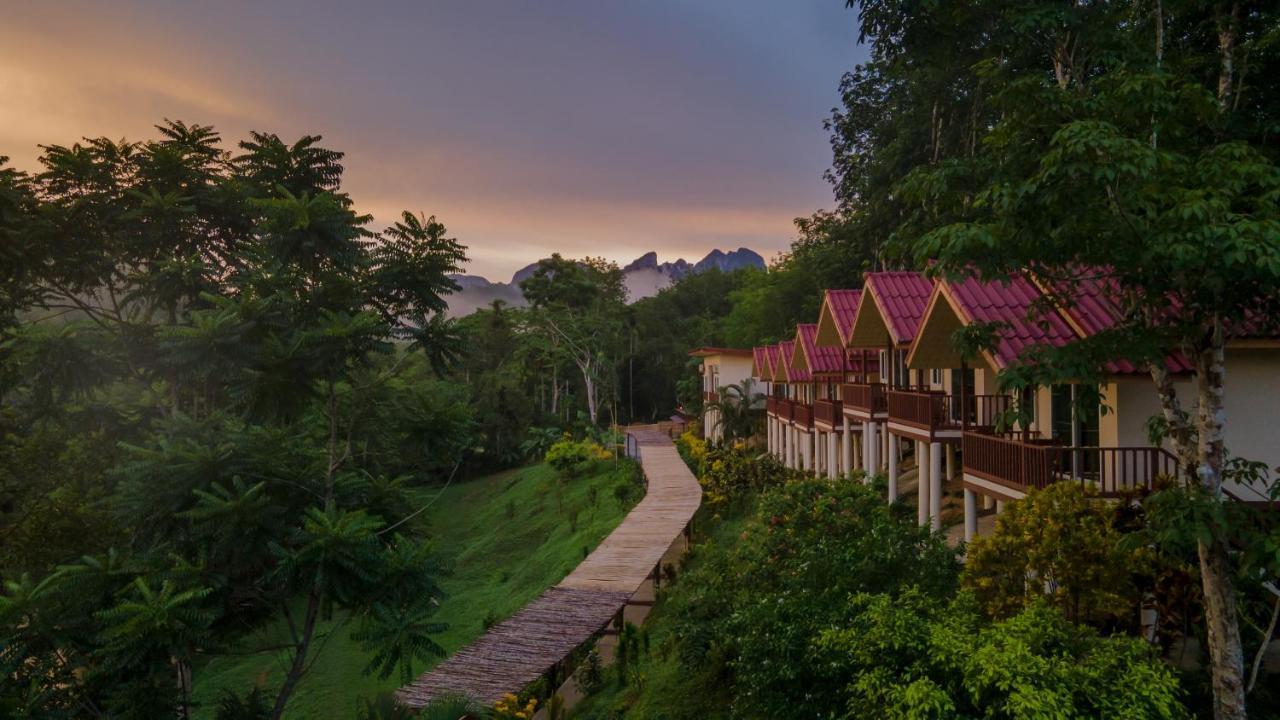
(507,541)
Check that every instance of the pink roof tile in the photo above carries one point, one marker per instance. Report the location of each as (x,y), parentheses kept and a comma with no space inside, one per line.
(823,360)
(772,354)
(1012,304)
(759,361)
(1089,305)
(903,296)
(785,350)
(844,308)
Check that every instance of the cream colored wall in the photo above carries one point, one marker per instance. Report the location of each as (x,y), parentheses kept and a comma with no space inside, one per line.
(1252,403)
(734,369)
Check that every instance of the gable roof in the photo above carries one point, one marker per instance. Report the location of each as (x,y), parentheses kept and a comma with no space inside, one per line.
(895,301)
(759,361)
(814,358)
(1011,303)
(784,371)
(835,320)
(1090,310)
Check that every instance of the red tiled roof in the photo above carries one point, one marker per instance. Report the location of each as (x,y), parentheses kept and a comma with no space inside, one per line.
(785,350)
(844,307)
(759,361)
(823,360)
(713,351)
(1012,304)
(1090,307)
(903,297)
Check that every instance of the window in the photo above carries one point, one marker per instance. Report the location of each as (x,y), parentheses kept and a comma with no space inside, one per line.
(936,376)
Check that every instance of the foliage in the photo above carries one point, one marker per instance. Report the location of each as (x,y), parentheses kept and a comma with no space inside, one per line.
(693,450)
(749,616)
(208,414)
(572,458)
(732,472)
(738,411)
(509,707)
(913,656)
(1059,545)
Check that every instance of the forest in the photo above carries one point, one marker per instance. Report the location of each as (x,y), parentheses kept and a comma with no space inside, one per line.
(225,394)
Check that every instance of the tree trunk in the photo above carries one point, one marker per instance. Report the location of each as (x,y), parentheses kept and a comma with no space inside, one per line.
(1226,55)
(300,652)
(1180,434)
(1226,651)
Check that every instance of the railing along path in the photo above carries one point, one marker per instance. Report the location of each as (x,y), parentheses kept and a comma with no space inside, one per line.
(529,644)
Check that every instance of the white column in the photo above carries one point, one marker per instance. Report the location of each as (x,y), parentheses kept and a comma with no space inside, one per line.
(999,506)
(793,448)
(865,460)
(951,461)
(811,448)
(883,455)
(922,483)
(873,445)
(846,445)
(935,486)
(833,464)
(893,467)
(988,502)
(970,515)
(819,453)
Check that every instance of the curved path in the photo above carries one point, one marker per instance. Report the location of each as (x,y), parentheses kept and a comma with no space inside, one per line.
(534,641)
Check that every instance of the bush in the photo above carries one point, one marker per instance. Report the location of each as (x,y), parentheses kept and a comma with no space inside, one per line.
(729,472)
(574,458)
(913,656)
(1059,544)
(749,615)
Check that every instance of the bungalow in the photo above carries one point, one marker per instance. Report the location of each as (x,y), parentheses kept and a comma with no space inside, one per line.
(880,334)
(1057,435)
(721,367)
(832,365)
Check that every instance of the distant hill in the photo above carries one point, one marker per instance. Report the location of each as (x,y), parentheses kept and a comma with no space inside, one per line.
(643,277)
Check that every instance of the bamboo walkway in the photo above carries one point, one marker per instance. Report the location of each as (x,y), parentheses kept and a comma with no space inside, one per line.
(535,640)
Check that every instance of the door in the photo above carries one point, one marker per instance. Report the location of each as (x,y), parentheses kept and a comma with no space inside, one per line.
(1075,423)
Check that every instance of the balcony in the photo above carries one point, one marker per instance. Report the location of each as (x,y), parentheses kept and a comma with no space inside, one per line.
(709,396)
(934,410)
(829,413)
(865,398)
(1023,463)
(771,405)
(802,414)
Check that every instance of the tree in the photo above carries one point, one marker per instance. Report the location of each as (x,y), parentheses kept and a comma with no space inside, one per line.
(1109,143)
(220,333)
(737,410)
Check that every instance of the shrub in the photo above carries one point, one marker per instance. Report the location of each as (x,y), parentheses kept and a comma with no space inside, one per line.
(730,472)
(1059,544)
(914,656)
(574,458)
(749,615)
(692,449)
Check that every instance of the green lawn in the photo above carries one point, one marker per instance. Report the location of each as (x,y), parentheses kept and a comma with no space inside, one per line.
(508,539)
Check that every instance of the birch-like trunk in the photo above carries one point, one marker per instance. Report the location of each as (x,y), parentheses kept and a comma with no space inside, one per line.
(1226,652)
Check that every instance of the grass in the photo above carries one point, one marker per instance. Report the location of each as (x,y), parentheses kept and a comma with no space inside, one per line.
(508,539)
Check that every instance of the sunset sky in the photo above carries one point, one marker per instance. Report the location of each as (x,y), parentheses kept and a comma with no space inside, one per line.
(584,127)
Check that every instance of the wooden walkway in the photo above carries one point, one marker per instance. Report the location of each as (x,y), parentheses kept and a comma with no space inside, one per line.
(533,642)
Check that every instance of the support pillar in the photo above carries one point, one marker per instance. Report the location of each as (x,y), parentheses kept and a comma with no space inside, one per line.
(970,515)
(846,446)
(811,445)
(951,462)
(999,506)
(833,464)
(922,483)
(873,448)
(988,502)
(935,486)
(893,467)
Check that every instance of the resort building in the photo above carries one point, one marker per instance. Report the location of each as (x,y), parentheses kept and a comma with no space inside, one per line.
(721,367)
(1097,434)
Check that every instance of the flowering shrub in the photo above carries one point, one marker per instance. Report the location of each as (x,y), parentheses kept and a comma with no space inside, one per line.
(692,449)
(573,458)
(731,471)
(509,708)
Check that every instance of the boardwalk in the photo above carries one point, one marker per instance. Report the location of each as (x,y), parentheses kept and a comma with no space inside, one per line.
(530,643)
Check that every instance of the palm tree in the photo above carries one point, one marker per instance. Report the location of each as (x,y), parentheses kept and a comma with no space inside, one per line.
(736,410)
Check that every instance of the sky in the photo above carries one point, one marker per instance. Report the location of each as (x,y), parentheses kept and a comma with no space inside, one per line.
(585,127)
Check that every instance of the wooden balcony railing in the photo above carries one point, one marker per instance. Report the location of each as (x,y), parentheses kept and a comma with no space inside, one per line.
(783,409)
(867,397)
(710,396)
(771,405)
(1031,463)
(802,414)
(829,411)
(936,410)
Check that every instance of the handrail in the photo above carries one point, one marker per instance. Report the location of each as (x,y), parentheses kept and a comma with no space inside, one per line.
(1038,463)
